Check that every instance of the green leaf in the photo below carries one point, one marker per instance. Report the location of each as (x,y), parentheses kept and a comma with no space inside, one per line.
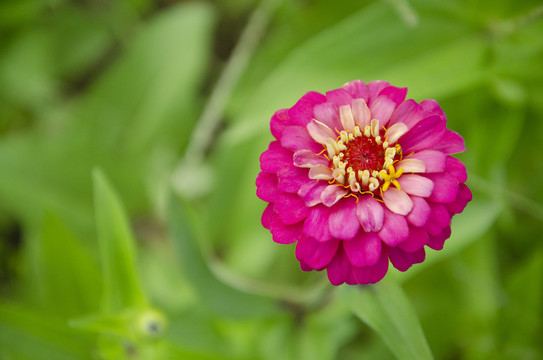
(67,274)
(387,310)
(217,296)
(150,92)
(122,285)
(25,335)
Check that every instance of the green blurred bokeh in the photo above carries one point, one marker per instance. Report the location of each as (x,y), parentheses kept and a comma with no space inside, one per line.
(130,133)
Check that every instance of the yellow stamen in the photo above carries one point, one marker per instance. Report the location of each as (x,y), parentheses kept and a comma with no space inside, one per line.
(351,194)
(391,177)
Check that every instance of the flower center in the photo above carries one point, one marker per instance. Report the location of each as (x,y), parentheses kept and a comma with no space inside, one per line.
(363,161)
(364,153)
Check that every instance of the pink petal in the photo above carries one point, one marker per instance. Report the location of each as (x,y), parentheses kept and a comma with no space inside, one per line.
(450,143)
(302,112)
(358,89)
(328,113)
(320,172)
(395,229)
(373,274)
(370,213)
(435,160)
(457,169)
(291,178)
(305,267)
(266,216)
(364,249)
(408,112)
(411,165)
(307,159)
(417,239)
(320,132)
(416,185)
(311,192)
(375,88)
(394,93)
(340,270)
(346,117)
(463,197)
(439,219)
(397,201)
(315,254)
(285,234)
(297,138)
(279,121)
(343,222)
(314,97)
(436,242)
(361,113)
(339,97)
(404,260)
(395,131)
(381,109)
(316,223)
(332,194)
(275,158)
(420,213)
(275,145)
(445,187)
(424,134)
(266,186)
(431,107)
(290,208)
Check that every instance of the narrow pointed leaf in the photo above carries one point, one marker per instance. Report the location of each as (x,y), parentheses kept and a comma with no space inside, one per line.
(386,309)
(122,285)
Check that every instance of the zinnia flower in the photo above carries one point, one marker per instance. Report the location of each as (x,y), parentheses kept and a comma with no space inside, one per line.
(361,176)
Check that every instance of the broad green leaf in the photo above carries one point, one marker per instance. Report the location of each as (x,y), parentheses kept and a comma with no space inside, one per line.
(68,274)
(122,286)
(150,92)
(219,297)
(26,335)
(387,310)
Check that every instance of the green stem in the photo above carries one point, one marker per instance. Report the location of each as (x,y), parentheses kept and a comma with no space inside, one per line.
(311,296)
(208,122)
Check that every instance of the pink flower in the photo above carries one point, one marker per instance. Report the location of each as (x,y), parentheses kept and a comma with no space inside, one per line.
(361,176)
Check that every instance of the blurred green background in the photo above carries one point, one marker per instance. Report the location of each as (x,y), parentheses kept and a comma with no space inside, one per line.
(130,133)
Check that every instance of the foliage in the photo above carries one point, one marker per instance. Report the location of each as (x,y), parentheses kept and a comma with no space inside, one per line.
(129,141)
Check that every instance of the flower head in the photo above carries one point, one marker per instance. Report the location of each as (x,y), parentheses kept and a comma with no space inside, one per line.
(361,176)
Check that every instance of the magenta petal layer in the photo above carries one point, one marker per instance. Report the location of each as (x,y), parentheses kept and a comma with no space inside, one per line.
(360,177)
